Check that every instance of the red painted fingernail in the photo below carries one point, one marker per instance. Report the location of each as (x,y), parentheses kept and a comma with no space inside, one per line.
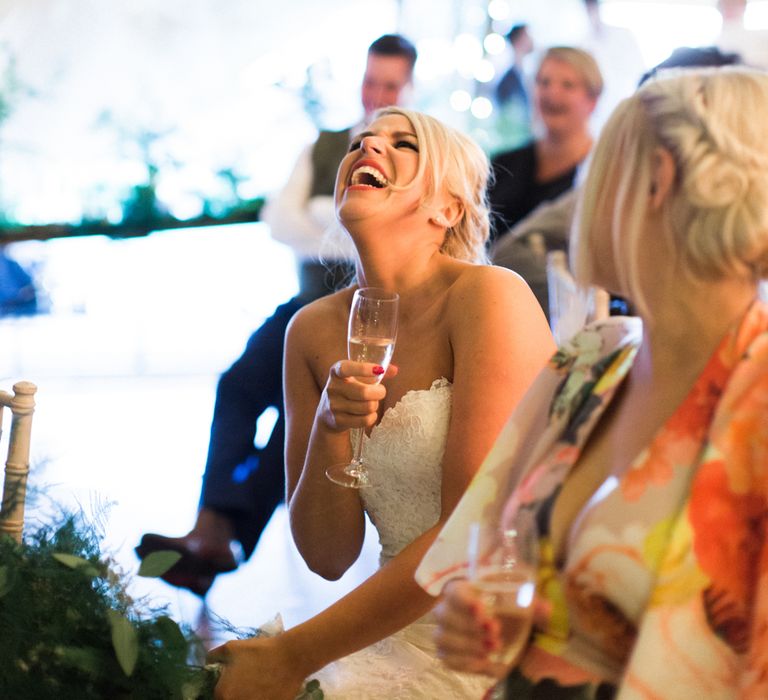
(378,369)
(486,626)
(488,644)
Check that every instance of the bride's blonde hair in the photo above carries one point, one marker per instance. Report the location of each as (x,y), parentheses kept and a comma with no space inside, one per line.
(453,162)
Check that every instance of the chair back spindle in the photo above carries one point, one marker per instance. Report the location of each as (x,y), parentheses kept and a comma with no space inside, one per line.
(22,405)
(571,306)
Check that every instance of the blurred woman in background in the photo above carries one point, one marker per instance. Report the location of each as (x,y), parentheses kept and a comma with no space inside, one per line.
(568,85)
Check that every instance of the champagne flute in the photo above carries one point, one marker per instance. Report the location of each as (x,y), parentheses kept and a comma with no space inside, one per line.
(503,561)
(370,338)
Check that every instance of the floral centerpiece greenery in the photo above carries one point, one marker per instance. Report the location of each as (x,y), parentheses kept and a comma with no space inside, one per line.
(70,631)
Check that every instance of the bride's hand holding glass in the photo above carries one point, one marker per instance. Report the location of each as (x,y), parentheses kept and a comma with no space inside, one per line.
(371,335)
(353,393)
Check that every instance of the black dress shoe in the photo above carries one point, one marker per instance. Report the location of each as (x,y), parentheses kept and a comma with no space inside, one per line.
(198,566)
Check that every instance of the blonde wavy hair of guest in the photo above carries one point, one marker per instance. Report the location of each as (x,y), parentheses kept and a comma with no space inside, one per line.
(452,161)
(708,119)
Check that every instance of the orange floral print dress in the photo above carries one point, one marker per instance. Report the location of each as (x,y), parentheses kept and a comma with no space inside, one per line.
(663,593)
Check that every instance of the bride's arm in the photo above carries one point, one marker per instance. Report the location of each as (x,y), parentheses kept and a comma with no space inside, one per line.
(327,521)
(499,340)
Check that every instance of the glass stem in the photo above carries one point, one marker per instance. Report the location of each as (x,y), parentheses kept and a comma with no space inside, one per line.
(357,441)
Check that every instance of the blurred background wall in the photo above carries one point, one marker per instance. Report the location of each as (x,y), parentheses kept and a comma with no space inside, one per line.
(218,96)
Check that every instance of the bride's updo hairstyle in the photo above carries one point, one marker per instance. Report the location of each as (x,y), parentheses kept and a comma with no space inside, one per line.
(711,120)
(453,162)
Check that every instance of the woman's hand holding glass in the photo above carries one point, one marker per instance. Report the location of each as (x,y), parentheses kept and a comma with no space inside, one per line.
(484,623)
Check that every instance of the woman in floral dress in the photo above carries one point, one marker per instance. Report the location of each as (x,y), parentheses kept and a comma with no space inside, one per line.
(643,447)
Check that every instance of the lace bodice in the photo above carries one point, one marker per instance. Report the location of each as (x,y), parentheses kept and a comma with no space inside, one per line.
(404,454)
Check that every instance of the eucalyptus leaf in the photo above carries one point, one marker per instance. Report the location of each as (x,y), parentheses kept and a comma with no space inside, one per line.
(78,563)
(6,580)
(85,658)
(125,641)
(214,670)
(157,563)
(311,691)
(172,636)
(200,686)
(192,690)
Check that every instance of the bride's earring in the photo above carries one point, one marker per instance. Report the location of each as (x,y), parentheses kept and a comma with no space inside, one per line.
(440,220)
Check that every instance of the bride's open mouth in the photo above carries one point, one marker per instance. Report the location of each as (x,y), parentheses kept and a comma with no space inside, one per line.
(368,176)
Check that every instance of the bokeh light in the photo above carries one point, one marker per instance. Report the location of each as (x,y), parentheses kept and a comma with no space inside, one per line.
(460,100)
(494,44)
(484,71)
(498,9)
(481,108)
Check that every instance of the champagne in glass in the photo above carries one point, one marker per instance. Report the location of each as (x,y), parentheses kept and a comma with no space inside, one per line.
(370,338)
(502,568)
(378,350)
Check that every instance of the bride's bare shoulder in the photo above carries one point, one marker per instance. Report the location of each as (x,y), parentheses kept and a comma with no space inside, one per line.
(483,280)
(324,315)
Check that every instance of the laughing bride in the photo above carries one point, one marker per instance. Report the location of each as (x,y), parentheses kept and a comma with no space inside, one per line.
(411,194)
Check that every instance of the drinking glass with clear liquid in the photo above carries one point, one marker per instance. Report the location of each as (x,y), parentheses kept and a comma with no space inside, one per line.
(371,336)
(503,561)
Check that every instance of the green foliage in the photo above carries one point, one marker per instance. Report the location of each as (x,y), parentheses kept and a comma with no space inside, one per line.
(6,583)
(71,632)
(125,641)
(157,563)
(312,691)
(73,562)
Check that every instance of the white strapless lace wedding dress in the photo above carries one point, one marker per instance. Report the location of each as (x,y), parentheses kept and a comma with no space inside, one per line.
(405,452)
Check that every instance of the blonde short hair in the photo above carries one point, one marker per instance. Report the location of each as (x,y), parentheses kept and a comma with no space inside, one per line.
(582,61)
(708,119)
(453,162)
